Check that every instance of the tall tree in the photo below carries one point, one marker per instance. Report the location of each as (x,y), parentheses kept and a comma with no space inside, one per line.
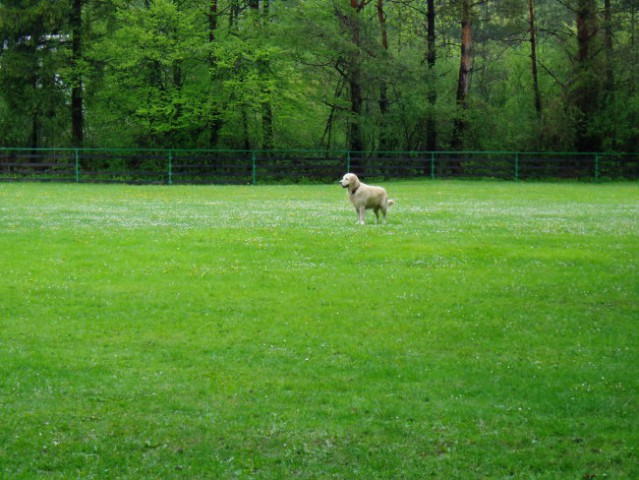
(151,59)
(31,46)
(431,58)
(586,92)
(77,99)
(465,71)
(533,57)
(384,104)
(215,123)
(263,64)
(352,21)
(608,42)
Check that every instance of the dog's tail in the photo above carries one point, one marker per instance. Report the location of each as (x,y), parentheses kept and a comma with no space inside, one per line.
(390,202)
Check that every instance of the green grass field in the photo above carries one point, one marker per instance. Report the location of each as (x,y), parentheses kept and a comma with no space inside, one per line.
(489,330)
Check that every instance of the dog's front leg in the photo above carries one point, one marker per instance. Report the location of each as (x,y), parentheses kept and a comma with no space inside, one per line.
(361,214)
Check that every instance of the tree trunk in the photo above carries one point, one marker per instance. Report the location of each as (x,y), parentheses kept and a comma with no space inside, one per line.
(355,133)
(384,105)
(431,124)
(381,16)
(586,94)
(355,79)
(245,129)
(212,20)
(633,48)
(610,78)
(466,64)
(463,81)
(264,68)
(586,27)
(77,100)
(267,126)
(533,58)
(34,137)
(215,124)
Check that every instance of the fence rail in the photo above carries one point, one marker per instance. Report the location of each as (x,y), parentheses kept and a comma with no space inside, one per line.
(173,166)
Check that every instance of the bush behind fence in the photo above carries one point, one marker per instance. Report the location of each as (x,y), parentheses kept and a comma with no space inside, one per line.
(145,166)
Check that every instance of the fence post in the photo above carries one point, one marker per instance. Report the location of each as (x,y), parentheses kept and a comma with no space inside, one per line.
(596,167)
(253,168)
(77,165)
(170,167)
(517,166)
(348,161)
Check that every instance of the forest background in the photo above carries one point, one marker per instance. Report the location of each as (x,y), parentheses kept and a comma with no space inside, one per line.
(362,75)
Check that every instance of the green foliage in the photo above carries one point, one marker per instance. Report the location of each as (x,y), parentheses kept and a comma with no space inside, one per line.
(30,54)
(162,73)
(148,63)
(487,331)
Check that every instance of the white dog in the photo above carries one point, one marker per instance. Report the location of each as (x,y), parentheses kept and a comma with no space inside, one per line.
(366,197)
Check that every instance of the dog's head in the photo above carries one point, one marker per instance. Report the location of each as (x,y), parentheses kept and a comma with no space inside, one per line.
(349,180)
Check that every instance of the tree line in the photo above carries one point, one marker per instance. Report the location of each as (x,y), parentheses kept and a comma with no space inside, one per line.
(358,75)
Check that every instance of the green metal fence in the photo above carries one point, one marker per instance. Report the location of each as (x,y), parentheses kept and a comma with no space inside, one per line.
(179,166)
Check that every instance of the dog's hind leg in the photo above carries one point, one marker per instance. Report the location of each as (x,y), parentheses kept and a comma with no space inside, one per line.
(384,208)
(376,210)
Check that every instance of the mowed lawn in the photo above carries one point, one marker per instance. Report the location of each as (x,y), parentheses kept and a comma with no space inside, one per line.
(489,330)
